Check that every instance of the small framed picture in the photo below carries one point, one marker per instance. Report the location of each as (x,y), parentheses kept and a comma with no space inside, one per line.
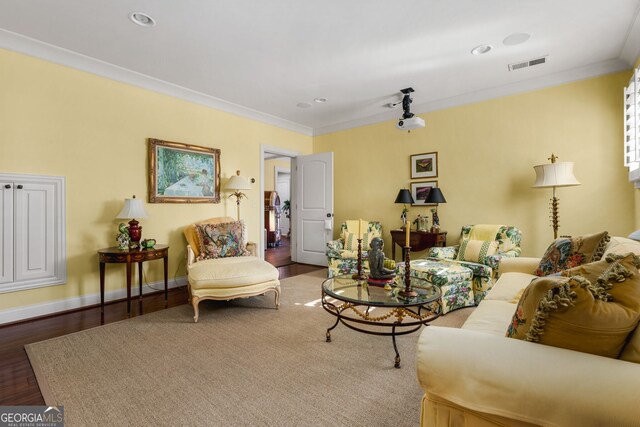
(424,165)
(420,191)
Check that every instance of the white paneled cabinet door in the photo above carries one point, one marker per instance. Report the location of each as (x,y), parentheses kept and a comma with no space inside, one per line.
(6,232)
(34,231)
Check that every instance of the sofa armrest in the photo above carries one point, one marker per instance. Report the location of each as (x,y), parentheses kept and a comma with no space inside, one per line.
(252,247)
(518,265)
(334,247)
(527,381)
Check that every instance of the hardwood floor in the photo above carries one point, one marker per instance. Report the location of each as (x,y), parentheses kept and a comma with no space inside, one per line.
(280,255)
(18,384)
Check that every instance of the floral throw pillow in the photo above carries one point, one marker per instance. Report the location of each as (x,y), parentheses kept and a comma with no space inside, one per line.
(221,240)
(567,252)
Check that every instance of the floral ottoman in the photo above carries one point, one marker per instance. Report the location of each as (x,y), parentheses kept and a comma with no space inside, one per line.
(453,279)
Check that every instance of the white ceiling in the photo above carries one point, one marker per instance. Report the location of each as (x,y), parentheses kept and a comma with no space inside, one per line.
(261,58)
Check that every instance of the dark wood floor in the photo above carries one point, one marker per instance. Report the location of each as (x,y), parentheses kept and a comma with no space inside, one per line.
(18,384)
(280,255)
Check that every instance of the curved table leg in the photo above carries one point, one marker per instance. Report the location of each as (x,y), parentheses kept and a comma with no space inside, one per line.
(334,325)
(395,347)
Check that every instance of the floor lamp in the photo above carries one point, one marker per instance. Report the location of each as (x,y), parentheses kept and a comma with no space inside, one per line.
(236,184)
(555,174)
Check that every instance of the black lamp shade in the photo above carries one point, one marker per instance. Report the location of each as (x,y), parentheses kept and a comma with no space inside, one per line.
(435,196)
(404,196)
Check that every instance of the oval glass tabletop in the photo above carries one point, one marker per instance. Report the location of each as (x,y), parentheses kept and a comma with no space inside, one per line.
(345,288)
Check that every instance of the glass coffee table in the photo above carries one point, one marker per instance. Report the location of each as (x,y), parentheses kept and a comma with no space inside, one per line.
(352,302)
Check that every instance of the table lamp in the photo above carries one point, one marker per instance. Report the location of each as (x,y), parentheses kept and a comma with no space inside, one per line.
(555,174)
(404,197)
(133,208)
(236,184)
(435,196)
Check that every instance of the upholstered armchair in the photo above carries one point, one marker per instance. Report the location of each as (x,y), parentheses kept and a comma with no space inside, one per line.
(222,264)
(481,248)
(342,253)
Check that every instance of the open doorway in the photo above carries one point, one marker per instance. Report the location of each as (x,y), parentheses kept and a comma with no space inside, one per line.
(310,189)
(277,209)
(278,239)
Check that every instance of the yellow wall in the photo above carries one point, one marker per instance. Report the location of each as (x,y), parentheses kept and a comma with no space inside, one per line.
(486,153)
(269,172)
(58,121)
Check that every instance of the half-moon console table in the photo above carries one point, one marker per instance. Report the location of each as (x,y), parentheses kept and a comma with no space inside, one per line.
(119,256)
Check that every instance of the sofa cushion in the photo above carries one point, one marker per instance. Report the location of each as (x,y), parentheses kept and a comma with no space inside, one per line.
(622,245)
(631,351)
(579,314)
(230,272)
(221,240)
(490,317)
(510,287)
(476,250)
(566,252)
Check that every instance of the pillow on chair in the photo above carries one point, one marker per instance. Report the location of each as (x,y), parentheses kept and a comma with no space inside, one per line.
(351,241)
(191,234)
(476,250)
(221,240)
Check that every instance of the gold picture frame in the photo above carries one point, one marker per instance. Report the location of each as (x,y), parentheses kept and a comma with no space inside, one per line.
(183,173)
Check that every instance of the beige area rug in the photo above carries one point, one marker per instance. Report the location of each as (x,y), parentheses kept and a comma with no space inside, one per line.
(242,364)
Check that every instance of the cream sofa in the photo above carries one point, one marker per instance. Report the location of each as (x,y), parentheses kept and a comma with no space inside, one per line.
(475,376)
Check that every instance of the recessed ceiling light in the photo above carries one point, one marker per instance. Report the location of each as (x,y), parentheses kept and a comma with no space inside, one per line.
(142,19)
(304,105)
(516,38)
(482,49)
(320,100)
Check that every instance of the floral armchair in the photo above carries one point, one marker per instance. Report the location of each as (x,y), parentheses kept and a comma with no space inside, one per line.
(342,253)
(504,242)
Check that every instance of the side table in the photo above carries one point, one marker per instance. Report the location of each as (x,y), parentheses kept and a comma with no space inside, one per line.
(120,256)
(418,240)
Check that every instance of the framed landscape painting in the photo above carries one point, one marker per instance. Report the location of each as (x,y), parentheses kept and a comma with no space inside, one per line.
(420,191)
(424,165)
(182,173)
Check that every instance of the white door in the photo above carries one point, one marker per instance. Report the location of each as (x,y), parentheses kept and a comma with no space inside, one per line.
(314,207)
(6,232)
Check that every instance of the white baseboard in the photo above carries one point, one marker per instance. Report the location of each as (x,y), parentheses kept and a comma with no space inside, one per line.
(42,309)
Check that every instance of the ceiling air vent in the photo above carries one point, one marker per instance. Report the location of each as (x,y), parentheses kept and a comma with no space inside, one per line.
(529,63)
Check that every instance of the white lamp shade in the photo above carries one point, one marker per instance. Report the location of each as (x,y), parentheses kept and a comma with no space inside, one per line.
(133,208)
(559,174)
(237,182)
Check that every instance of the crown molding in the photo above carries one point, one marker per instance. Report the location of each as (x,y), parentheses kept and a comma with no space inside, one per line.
(556,79)
(28,46)
(36,48)
(630,52)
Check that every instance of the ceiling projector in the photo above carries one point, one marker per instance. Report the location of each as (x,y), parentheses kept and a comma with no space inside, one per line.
(408,120)
(410,123)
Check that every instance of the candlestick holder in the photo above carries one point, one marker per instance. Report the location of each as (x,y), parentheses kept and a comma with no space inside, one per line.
(407,292)
(359,275)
